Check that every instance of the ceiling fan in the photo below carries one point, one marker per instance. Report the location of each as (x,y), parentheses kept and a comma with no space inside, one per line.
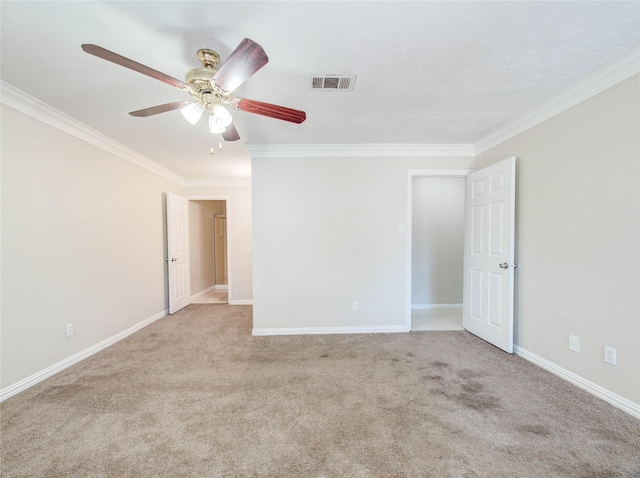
(210,88)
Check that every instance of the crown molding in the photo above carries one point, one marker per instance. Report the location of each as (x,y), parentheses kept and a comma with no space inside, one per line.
(603,79)
(371,150)
(600,81)
(33,107)
(218,183)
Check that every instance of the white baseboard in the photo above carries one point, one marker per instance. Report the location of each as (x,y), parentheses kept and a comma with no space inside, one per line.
(435,306)
(382,329)
(30,381)
(241,302)
(203,292)
(622,403)
(221,286)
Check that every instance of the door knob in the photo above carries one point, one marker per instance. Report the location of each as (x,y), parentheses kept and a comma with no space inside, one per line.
(504,265)
(173,259)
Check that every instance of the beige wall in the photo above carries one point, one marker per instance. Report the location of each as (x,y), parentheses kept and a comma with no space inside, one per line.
(82,243)
(326,235)
(437,245)
(578,237)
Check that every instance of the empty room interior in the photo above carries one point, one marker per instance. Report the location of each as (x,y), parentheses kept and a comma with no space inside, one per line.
(374,238)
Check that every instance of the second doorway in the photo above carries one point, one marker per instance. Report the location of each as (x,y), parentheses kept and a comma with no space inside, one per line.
(209,257)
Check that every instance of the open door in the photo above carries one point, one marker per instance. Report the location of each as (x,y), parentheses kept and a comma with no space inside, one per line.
(489,250)
(178,247)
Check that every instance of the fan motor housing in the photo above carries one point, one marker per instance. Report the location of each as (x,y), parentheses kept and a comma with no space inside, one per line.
(208,58)
(204,88)
(200,78)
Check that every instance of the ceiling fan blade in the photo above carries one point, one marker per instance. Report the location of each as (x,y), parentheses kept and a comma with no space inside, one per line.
(133,65)
(154,110)
(231,133)
(272,111)
(245,60)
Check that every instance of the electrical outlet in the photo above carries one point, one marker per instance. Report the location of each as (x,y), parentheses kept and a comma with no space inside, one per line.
(610,355)
(69,330)
(355,306)
(574,343)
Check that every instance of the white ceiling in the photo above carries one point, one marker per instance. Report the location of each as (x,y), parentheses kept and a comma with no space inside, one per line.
(428,72)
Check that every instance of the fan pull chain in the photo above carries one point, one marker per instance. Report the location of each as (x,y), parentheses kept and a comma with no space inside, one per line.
(219,145)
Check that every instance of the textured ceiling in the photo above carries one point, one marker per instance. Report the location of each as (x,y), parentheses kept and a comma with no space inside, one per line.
(428,72)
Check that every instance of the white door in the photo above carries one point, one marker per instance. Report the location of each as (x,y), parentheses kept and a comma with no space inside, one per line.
(178,249)
(489,245)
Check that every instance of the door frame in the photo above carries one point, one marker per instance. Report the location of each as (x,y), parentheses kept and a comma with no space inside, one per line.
(227,199)
(421,173)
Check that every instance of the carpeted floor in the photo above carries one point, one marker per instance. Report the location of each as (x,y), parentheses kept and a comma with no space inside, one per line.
(195,395)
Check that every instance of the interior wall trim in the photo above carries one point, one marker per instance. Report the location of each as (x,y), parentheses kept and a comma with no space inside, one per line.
(202,292)
(603,79)
(371,150)
(370,329)
(622,403)
(33,107)
(241,302)
(218,182)
(38,377)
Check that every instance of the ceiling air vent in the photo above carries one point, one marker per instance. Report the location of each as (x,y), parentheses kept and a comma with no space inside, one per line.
(333,82)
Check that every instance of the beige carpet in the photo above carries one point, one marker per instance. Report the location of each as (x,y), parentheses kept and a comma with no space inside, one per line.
(195,395)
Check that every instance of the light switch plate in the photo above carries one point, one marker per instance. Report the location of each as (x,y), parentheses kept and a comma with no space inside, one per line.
(574,343)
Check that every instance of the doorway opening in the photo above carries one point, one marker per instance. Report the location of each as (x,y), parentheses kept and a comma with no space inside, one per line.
(436,252)
(209,255)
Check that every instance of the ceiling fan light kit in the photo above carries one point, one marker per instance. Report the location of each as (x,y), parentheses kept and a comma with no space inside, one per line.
(219,119)
(211,88)
(192,112)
